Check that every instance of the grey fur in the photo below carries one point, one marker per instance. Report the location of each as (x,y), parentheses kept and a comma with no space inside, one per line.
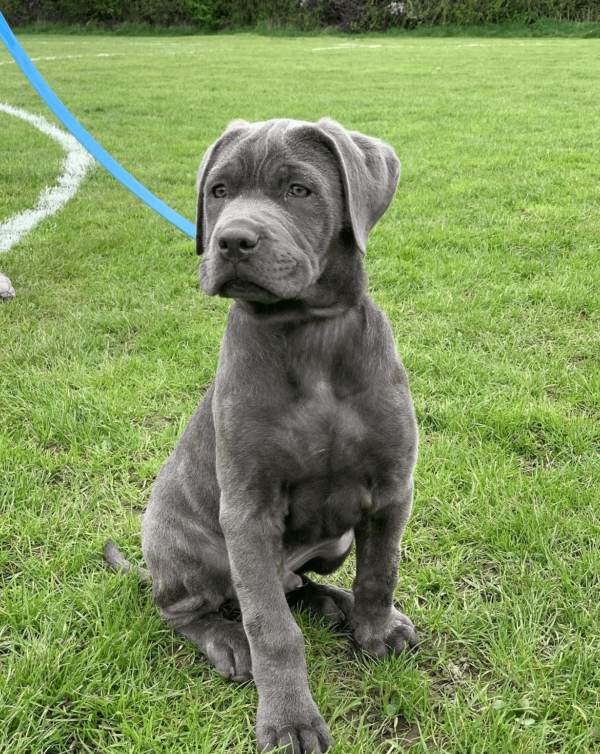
(307,439)
(116,561)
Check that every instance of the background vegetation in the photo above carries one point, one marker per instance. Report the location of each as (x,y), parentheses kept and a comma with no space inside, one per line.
(487,265)
(345,15)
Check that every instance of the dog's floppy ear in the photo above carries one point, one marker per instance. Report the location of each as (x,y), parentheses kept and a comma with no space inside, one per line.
(205,165)
(370,173)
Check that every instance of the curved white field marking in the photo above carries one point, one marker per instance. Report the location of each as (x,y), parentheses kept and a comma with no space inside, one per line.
(75,166)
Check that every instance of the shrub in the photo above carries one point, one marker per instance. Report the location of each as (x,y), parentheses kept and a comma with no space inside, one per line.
(345,15)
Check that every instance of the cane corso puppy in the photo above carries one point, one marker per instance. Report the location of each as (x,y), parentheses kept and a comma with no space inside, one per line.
(306,442)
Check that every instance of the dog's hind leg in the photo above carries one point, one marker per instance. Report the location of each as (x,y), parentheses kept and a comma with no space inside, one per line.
(196,615)
(223,641)
(191,585)
(331,604)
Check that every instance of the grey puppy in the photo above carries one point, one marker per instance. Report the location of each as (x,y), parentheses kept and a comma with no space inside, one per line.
(307,440)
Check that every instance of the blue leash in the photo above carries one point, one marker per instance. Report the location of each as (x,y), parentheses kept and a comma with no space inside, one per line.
(84,138)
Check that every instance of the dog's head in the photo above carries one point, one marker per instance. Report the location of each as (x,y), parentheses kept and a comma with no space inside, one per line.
(274,198)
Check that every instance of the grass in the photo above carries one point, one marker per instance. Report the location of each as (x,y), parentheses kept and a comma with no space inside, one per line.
(488,267)
(31,168)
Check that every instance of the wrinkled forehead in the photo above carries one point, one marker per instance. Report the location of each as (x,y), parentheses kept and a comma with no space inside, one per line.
(267,154)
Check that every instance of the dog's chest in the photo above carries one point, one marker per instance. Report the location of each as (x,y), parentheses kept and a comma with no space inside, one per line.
(324,431)
(325,421)
(330,476)
(315,419)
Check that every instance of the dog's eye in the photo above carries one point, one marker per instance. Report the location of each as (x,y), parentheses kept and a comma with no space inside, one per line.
(219,191)
(297,190)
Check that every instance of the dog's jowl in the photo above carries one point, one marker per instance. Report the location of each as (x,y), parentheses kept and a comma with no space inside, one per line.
(307,441)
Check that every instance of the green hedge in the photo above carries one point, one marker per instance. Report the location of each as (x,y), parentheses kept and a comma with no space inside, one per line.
(346,15)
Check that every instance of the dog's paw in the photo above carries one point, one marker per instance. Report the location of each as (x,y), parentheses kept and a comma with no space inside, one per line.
(329,610)
(398,636)
(309,736)
(331,604)
(228,650)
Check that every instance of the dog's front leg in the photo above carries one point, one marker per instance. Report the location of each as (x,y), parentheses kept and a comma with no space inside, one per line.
(287,713)
(377,626)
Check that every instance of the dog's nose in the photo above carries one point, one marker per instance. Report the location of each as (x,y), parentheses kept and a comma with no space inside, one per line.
(236,242)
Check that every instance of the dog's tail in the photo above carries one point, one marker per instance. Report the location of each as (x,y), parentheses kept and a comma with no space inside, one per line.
(115,560)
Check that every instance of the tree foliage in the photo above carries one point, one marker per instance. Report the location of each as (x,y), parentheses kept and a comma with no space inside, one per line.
(345,15)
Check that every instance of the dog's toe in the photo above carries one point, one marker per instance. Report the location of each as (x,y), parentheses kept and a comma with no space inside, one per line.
(313,739)
(399,637)
(229,652)
(403,635)
(232,666)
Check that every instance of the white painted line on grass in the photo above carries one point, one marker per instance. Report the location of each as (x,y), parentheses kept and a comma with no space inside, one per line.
(75,166)
(98,55)
(66,57)
(501,43)
(346,46)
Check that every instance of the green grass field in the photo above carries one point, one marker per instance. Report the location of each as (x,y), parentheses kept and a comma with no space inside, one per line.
(488,266)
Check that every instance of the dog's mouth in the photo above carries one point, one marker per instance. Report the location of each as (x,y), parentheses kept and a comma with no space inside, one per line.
(244,289)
